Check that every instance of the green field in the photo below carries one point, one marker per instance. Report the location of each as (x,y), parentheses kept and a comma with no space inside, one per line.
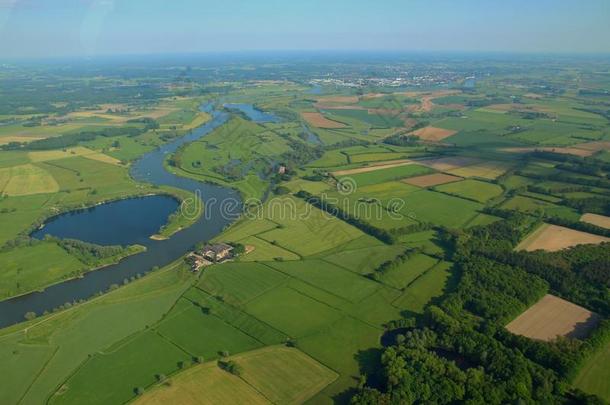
(438,208)
(594,374)
(54,347)
(239,283)
(408,271)
(23,271)
(271,375)
(200,334)
(112,376)
(299,314)
(304,230)
(532,205)
(479,191)
(429,285)
(330,278)
(385,175)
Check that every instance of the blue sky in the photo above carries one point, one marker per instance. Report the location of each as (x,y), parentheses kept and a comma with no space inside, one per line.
(40,28)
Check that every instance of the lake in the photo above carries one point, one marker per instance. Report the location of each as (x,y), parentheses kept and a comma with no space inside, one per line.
(124,222)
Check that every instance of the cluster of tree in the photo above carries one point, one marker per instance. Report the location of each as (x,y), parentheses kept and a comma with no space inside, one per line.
(444,361)
(460,351)
(571,279)
(230,366)
(300,154)
(595,205)
(89,253)
(149,123)
(402,140)
(393,264)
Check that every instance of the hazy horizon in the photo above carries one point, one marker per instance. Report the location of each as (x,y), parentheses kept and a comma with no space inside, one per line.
(90,28)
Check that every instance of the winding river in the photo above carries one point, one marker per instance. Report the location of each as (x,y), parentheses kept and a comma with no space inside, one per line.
(222,206)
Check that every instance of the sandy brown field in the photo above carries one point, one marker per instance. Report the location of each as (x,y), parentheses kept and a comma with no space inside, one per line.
(448,163)
(433,134)
(375,167)
(320,121)
(551,317)
(430,180)
(553,238)
(595,219)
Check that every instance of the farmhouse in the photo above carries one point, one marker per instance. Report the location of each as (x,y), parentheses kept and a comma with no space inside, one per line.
(217,252)
(196,261)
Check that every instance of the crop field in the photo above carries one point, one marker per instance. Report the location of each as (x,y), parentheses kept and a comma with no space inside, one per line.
(594,374)
(284,375)
(446,164)
(553,238)
(377,204)
(330,278)
(299,315)
(408,271)
(386,173)
(26,180)
(271,375)
(595,219)
(438,208)
(205,384)
(427,286)
(23,271)
(364,259)
(113,376)
(200,334)
(330,158)
(485,170)
(534,205)
(431,180)
(337,346)
(71,336)
(479,191)
(551,317)
(376,120)
(320,121)
(234,317)
(239,283)
(304,229)
(433,134)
